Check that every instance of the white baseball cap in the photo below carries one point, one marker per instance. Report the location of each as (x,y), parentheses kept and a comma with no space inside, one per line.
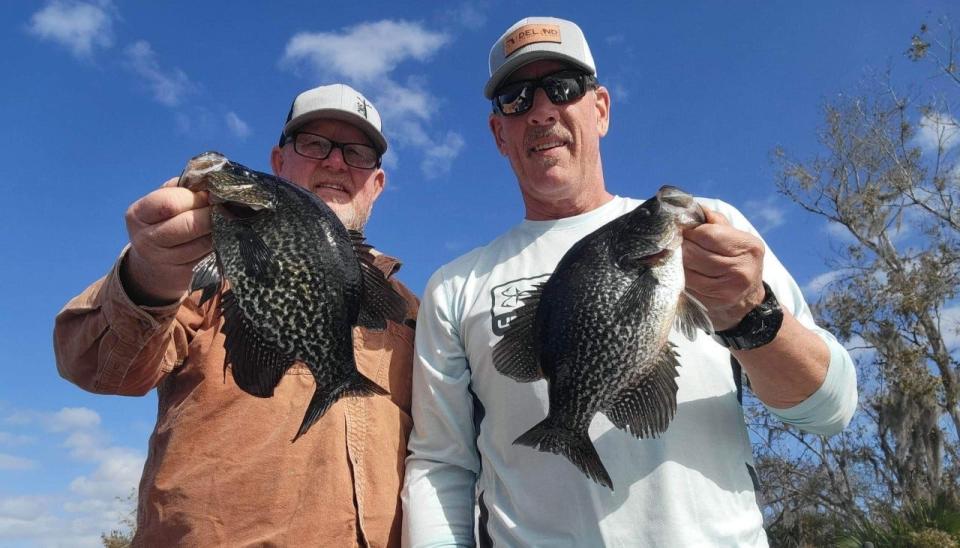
(339,102)
(535,38)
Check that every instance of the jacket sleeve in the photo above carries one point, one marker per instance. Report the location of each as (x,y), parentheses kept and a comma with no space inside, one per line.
(828,410)
(104,343)
(442,465)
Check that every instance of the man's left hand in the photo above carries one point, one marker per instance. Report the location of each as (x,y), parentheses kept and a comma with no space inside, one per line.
(724,269)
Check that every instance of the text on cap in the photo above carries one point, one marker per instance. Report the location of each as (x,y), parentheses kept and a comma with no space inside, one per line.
(530,34)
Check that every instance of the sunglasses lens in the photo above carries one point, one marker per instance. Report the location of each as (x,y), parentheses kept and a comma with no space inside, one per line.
(563,88)
(515,98)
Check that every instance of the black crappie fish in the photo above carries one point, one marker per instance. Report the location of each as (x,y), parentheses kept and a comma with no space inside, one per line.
(298,282)
(597,330)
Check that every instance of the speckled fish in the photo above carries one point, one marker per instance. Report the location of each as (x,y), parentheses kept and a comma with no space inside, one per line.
(298,281)
(597,331)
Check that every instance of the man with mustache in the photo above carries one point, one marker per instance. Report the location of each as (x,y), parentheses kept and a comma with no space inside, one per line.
(221,469)
(694,485)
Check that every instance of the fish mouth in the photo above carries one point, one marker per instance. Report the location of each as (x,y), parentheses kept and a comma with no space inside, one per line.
(194,174)
(682,205)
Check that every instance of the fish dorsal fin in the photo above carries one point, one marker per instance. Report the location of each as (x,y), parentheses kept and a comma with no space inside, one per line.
(258,260)
(636,295)
(257,365)
(692,315)
(207,276)
(379,301)
(517,354)
(646,405)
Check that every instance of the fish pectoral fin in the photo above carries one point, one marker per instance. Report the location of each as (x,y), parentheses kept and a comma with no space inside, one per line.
(206,276)
(646,405)
(692,315)
(636,295)
(258,260)
(516,355)
(257,365)
(379,301)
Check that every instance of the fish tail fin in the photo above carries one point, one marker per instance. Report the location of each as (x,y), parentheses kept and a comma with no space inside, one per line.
(575,446)
(357,385)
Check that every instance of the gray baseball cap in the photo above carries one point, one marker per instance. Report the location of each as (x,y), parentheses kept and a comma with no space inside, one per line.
(535,38)
(339,102)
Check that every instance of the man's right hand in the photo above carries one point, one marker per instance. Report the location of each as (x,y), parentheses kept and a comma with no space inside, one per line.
(169,233)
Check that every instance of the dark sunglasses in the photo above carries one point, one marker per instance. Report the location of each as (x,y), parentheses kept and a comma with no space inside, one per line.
(319,147)
(561,87)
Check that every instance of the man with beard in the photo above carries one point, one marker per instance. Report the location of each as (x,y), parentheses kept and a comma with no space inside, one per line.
(467,481)
(221,470)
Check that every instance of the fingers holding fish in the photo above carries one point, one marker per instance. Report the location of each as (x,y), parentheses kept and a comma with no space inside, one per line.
(165,203)
(718,237)
(169,231)
(723,268)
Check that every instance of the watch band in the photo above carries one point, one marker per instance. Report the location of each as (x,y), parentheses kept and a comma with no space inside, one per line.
(757,328)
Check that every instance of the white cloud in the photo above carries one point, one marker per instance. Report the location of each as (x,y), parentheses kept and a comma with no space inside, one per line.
(615,39)
(364,53)
(118,468)
(950,328)
(618,92)
(168,87)
(81,27)
(94,500)
(860,350)
(439,157)
(73,418)
(22,507)
(838,233)
(816,285)
(469,15)
(765,214)
(238,127)
(407,108)
(11,440)
(11,462)
(937,129)
(28,521)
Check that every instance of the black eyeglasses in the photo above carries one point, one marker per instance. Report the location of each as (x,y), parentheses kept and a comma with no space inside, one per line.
(319,147)
(561,87)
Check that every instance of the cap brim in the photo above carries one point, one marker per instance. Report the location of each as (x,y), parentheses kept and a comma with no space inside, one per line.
(368,129)
(510,66)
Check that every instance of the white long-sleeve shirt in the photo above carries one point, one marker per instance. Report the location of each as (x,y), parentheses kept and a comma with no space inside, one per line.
(466,482)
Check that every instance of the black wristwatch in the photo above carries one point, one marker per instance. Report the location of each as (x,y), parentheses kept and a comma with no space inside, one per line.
(757,328)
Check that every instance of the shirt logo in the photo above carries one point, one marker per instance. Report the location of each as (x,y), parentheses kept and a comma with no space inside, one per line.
(531,34)
(506,299)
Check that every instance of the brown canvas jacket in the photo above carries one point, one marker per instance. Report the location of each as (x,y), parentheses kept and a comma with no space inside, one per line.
(221,469)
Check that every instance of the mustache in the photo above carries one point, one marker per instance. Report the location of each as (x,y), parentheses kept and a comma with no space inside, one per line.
(538,133)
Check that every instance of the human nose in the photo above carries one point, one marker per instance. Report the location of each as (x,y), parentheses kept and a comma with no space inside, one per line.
(334,160)
(543,111)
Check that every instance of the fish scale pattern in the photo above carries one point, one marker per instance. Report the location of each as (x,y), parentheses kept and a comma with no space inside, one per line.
(298,281)
(601,324)
(297,306)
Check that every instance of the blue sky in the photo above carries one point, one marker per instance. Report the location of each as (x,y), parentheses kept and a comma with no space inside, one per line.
(104,100)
